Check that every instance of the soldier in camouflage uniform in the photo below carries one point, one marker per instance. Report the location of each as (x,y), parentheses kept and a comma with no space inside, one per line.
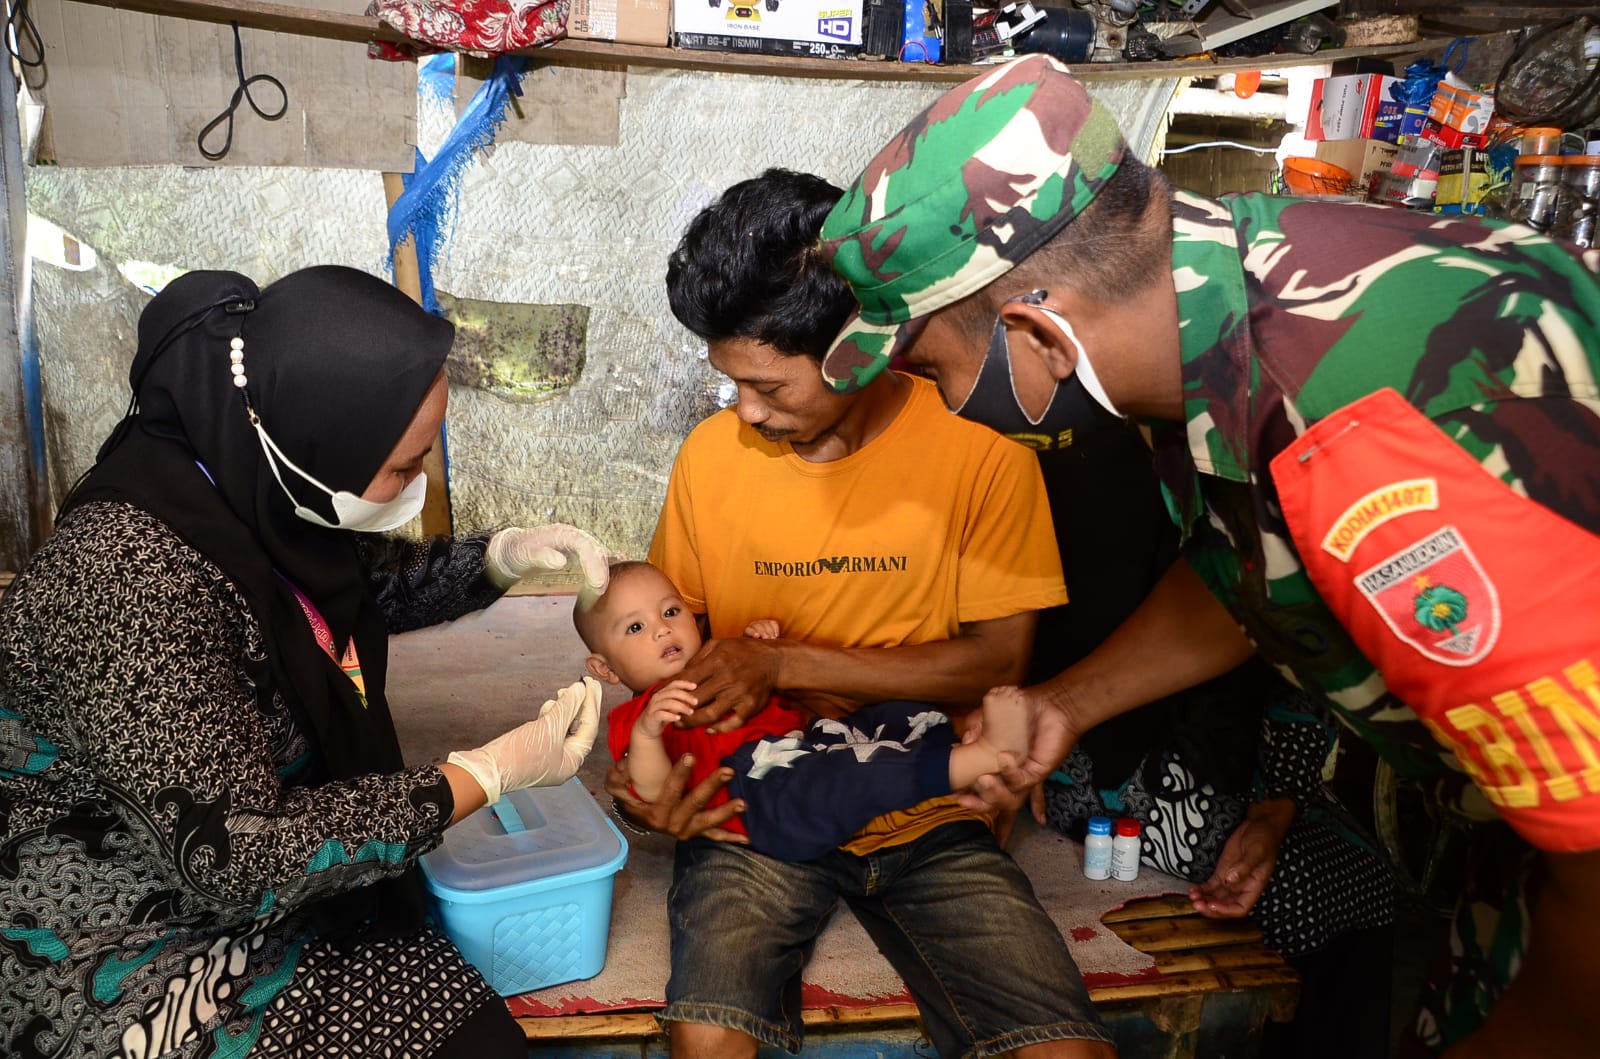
(1324,387)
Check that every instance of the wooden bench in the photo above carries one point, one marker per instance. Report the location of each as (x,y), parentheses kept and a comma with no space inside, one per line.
(1216,988)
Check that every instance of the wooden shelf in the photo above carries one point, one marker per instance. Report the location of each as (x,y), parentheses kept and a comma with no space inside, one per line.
(331,25)
(592,53)
(253,14)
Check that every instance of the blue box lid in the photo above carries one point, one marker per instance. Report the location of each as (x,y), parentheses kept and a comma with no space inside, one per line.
(532,834)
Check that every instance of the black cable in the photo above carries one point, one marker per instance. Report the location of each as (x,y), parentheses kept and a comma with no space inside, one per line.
(240,93)
(1577,109)
(19,24)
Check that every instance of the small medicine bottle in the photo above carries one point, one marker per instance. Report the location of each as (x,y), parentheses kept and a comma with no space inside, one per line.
(1125,850)
(1097,848)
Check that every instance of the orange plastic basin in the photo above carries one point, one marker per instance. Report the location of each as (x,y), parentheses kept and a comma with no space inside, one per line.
(1313,176)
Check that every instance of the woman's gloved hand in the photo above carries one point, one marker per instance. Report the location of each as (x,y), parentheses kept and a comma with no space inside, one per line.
(543,752)
(514,553)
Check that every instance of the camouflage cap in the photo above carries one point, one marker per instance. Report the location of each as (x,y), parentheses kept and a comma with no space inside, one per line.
(973,185)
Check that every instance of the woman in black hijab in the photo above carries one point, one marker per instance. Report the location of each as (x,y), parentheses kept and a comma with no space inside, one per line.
(208,837)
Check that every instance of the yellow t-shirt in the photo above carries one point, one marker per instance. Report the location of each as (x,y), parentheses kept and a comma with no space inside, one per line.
(935,522)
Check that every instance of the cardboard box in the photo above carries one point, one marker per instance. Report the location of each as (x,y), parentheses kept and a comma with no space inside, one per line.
(1353,108)
(1366,160)
(624,21)
(1460,108)
(1463,180)
(1411,121)
(825,29)
(1453,139)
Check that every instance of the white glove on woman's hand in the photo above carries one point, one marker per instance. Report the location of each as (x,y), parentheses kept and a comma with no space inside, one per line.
(543,752)
(514,553)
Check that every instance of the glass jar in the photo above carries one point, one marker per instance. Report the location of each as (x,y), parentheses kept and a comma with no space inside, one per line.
(1536,190)
(1539,140)
(1580,199)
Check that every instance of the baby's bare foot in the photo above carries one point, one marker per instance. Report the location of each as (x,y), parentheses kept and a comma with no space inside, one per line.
(1006,724)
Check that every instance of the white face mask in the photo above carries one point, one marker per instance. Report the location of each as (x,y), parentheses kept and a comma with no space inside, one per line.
(1083,371)
(350,511)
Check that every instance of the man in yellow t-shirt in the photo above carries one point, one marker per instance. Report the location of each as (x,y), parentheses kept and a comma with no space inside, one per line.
(905,553)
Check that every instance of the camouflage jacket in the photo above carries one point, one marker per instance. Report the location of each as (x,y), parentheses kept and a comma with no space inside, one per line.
(1292,309)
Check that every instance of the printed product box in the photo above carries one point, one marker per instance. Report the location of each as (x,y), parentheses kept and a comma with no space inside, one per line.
(625,21)
(1366,160)
(1463,179)
(824,29)
(1355,107)
(1453,139)
(1411,121)
(1458,107)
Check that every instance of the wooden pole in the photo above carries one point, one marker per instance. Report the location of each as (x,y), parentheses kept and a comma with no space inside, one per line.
(25,510)
(436,516)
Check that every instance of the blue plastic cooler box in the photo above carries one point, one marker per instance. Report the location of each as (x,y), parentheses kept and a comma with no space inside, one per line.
(524,887)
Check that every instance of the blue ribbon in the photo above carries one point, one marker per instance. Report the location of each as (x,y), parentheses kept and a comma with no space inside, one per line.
(425,209)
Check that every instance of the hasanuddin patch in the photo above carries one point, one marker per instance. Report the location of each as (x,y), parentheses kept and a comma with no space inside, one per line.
(1434,595)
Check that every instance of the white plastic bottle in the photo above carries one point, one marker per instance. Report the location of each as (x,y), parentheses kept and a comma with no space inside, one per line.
(1097,848)
(1125,850)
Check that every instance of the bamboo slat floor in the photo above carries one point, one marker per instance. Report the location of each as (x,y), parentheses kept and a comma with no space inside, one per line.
(1194,957)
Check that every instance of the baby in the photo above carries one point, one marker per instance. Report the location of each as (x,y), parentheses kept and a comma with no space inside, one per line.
(808,783)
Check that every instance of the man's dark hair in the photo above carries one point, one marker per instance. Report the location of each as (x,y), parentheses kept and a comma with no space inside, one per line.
(749,266)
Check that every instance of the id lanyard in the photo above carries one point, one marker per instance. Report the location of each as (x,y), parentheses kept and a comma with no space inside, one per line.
(350,663)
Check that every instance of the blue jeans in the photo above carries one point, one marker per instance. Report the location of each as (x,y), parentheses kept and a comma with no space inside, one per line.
(951,911)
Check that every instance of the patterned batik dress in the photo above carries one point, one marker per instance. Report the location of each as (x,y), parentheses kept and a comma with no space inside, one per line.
(161,858)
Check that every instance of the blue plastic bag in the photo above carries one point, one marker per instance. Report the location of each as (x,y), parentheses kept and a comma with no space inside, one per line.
(924,39)
(1423,76)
